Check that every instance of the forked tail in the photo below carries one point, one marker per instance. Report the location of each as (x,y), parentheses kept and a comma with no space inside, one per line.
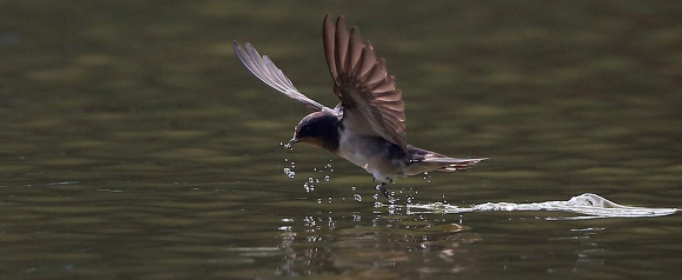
(455,164)
(429,160)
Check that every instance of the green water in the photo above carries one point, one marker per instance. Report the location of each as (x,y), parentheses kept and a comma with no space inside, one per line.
(134,145)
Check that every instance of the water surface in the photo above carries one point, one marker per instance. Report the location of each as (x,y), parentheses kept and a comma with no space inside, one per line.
(134,145)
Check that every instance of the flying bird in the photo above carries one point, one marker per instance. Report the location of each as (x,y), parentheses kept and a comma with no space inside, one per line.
(367,127)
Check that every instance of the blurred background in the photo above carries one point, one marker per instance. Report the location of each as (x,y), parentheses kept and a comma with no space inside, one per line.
(134,144)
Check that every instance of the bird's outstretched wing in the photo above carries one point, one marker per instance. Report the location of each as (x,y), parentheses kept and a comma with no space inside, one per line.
(266,71)
(371,103)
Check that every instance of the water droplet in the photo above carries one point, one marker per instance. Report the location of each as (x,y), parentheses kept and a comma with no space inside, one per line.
(427,177)
(317,181)
(280,143)
(308,187)
(330,201)
(353,188)
(289,172)
(319,201)
(293,164)
(331,170)
(357,197)
(315,169)
(327,178)
(375,196)
(311,180)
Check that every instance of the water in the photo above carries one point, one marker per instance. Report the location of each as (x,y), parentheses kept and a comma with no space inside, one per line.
(591,205)
(135,146)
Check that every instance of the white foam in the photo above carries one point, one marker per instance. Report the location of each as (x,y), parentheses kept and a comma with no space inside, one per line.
(589,204)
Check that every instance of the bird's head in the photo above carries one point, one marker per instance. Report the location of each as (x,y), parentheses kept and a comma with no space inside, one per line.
(318,129)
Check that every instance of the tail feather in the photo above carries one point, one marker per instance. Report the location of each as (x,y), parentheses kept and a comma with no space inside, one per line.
(435,161)
(455,164)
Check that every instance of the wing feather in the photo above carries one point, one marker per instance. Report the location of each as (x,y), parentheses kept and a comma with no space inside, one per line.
(266,70)
(341,45)
(378,73)
(369,59)
(371,103)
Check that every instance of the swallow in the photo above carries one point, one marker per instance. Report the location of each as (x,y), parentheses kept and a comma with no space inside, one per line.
(367,127)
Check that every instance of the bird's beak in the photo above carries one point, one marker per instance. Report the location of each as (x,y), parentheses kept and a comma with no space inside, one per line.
(292,141)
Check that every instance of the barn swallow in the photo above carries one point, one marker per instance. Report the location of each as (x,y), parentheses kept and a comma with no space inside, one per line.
(367,127)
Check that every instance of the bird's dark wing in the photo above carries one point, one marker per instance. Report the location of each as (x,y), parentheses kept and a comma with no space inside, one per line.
(266,71)
(371,103)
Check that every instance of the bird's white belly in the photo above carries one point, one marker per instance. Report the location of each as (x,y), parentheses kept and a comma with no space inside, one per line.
(368,154)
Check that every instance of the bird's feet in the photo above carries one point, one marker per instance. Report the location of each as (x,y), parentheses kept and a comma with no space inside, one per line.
(389,197)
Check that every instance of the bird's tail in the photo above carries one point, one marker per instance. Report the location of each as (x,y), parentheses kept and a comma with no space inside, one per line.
(429,160)
(454,164)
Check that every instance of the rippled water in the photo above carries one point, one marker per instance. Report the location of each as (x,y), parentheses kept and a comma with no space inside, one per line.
(134,145)
(591,206)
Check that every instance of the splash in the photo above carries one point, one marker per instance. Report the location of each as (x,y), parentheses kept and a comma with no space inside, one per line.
(589,204)
(289,172)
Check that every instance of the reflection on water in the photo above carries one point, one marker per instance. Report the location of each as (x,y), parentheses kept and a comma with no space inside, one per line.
(363,248)
(134,145)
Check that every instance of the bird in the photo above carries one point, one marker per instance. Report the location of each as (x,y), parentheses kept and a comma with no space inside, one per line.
(367,127)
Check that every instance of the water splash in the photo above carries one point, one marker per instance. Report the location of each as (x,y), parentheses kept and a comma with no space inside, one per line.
(308,187)
(289,172)
(588,204)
